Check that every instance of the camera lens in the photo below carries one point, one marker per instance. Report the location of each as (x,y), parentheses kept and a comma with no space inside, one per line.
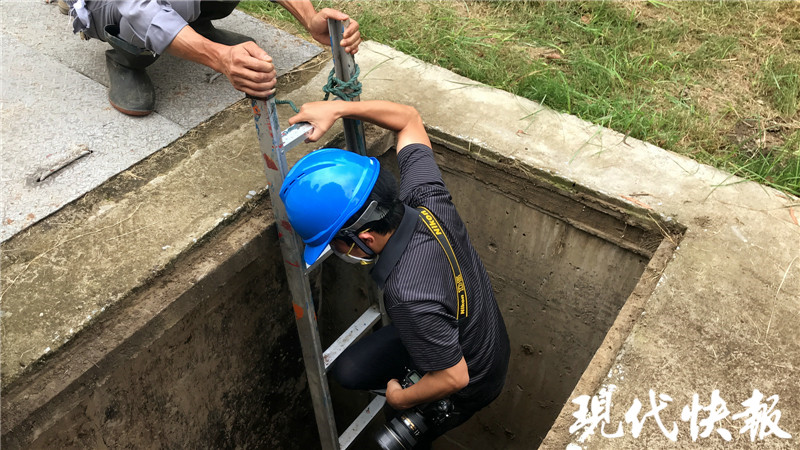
(402,432)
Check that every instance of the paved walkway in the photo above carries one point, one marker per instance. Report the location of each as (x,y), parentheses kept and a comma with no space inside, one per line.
(55,108)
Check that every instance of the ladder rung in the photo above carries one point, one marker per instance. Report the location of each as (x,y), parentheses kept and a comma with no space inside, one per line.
(370,317)
(361,422)
(294,135)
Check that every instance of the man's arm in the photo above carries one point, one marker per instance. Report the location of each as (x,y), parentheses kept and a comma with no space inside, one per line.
(433,386)
(247,66)
(402,119)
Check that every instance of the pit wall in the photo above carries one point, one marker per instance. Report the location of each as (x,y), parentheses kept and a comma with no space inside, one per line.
(560,276)
(218,367)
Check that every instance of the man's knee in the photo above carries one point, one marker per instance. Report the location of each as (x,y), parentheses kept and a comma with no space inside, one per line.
(346,372)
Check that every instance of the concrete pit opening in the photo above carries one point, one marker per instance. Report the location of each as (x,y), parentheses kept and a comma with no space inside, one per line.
(207,351)
(564,262)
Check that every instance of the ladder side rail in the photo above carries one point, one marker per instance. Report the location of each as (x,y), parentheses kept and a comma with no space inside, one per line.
(345,66)
(269,134)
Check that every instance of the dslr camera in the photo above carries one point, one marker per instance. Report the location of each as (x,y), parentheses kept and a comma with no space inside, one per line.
(404,431)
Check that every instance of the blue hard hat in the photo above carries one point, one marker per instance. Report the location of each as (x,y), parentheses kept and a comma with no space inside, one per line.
(322,191)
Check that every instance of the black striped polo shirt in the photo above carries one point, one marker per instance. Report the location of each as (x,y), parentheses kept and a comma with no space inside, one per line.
(420,293)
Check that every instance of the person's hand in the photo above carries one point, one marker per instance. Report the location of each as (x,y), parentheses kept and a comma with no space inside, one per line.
(318,27)
(392,389)
(321,115)
(249,69)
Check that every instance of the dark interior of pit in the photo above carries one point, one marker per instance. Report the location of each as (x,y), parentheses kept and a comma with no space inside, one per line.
(562,263)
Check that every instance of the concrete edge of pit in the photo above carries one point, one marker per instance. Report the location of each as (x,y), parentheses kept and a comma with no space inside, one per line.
(40,397)
(120,237)
(603,360)
(558,196)
(137,297)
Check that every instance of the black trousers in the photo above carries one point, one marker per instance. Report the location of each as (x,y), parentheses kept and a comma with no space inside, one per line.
(377,358)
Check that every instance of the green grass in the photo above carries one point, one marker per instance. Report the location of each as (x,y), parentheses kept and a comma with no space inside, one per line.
(780,168)
(681,75)
(780,84)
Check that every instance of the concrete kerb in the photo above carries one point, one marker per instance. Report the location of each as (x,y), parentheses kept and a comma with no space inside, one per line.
(735,275)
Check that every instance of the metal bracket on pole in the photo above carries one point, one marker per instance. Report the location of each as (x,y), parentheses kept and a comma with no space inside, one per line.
(345,66)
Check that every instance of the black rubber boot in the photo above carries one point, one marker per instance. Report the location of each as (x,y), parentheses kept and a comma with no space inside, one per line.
(131,90)
(217,10)
(225,37)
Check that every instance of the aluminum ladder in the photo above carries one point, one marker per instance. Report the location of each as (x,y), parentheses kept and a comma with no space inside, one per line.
(274,146)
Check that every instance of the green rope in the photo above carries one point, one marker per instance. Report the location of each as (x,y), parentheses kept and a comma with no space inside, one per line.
(336,87)
(288,102)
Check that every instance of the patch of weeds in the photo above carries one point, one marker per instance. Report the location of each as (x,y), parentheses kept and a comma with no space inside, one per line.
(791,34)
(778,167)
(667,32)
(265,9)
(713,49)
(764,151)
(272,13)
(780,84)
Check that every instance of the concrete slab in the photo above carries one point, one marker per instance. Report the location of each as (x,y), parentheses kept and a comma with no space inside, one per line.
(53,77)
(43,125)
(722,317)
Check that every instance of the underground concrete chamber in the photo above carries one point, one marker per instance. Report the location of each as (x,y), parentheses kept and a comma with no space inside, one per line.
(563,263)
(219,362)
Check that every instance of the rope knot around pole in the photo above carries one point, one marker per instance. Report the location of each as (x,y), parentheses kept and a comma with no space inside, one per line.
(345,90)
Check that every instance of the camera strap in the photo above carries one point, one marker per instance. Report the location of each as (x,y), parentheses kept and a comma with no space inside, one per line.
(462,309)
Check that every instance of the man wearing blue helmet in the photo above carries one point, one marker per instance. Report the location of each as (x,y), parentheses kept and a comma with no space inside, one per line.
(445,320)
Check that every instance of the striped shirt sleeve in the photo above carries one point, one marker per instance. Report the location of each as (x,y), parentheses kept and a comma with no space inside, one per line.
(420,177)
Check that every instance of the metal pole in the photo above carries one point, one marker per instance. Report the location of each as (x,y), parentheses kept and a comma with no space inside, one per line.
(272,151)
(345,66)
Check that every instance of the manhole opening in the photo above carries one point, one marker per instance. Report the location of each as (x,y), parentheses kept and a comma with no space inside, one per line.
(563,261)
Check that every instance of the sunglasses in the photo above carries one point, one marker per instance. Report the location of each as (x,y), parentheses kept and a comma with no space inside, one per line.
(351,244)
(349,234)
